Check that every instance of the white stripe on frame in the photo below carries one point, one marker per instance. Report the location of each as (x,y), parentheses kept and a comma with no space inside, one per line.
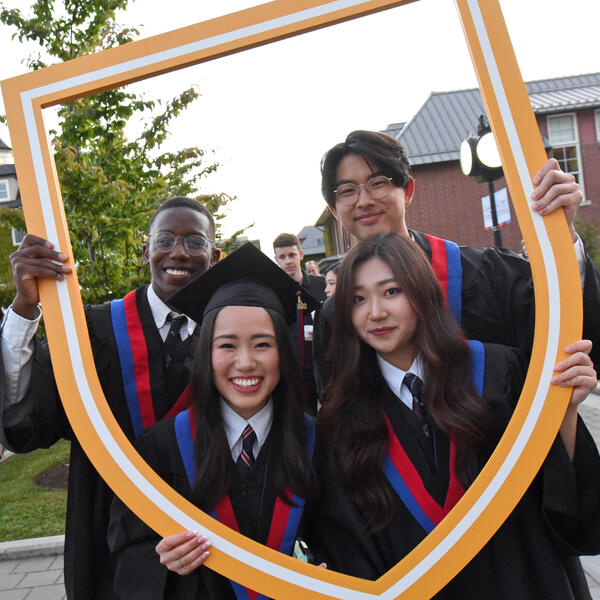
(128,468)
(185,49)
(551,351)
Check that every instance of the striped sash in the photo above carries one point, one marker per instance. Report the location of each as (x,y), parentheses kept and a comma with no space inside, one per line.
(135,367)
(404,477)
(285,520)
(445,260)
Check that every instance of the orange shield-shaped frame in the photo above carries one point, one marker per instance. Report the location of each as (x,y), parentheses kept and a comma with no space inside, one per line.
(540,410)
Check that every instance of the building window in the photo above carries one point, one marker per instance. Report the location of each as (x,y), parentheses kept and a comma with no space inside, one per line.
(17,236)
(4,195)
(597,113)
(563,137)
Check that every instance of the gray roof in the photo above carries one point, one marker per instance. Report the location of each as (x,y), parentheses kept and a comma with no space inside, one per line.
(8,170)
(435,133)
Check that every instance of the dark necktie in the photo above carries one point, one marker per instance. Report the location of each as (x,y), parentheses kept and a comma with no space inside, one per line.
(173,339)
(415,386)
(246,458)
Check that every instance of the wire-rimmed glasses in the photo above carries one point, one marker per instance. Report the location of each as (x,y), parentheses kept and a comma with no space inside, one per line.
(378,187)
(194,243)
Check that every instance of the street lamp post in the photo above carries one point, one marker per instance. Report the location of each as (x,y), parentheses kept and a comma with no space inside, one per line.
(479,158)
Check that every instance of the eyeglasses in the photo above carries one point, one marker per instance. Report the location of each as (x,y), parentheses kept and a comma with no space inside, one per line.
(378,187)
(194,243)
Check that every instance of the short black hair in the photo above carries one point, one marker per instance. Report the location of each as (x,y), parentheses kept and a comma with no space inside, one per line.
(377,149)
(286,239)
(185,202)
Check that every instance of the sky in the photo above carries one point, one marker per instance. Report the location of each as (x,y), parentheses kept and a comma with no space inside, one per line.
(269,114)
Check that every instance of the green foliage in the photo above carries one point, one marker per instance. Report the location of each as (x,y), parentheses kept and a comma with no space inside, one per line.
(110,182)
(9,217)
(589,232)
(26,509)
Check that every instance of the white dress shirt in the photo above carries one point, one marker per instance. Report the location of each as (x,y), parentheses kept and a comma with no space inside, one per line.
(16,341)
(394,377)
(235,424)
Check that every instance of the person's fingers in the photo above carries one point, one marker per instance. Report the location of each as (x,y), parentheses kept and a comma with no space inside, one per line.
(34,240)
(550,165)
(184,552)
(567,196)
(38,251)
(25,269)
(576,375)
(580,346)
(172,541)
(578,355)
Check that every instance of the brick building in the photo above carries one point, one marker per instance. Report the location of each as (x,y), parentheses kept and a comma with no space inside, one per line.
(446,202)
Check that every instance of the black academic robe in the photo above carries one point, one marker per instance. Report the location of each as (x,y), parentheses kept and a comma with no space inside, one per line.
(315,284)
(39,420)
(139,574)
(498,303)
(533,556)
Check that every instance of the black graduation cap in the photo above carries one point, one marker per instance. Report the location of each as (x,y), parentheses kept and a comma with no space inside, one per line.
(244,278)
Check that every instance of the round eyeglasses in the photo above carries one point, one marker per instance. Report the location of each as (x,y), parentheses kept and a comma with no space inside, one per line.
(378,188)
(194,243)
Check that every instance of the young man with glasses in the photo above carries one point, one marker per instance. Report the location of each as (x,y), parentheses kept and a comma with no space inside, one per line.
(367,184)
(181,245)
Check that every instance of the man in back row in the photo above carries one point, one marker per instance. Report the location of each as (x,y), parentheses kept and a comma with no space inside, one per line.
(289,255)
(367,184)
(180,246)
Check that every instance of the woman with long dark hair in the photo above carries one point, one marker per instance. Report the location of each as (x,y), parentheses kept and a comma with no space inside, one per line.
(252,444)
(404,382)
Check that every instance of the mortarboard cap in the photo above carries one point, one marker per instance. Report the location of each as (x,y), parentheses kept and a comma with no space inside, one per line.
(244,278)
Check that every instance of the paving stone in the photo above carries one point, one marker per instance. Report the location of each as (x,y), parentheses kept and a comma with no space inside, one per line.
(49,592)
(29,565)
(11,581)
(58,562)
(14,595)
(7,566)
(591,565)
(39,578)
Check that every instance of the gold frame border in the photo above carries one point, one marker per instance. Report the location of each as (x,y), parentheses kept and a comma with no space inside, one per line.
(541,407)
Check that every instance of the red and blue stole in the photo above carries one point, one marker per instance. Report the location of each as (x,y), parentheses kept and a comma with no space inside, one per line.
(404,477)
(285,520)
(446,263)
(135,367)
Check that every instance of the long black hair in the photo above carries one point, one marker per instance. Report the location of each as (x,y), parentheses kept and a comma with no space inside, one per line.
(352,416)
(214,471)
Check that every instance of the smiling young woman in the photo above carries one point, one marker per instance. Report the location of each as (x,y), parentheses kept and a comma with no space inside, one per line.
(412,414)
(244,451)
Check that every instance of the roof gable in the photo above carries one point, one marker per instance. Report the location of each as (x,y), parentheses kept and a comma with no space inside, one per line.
(437,130)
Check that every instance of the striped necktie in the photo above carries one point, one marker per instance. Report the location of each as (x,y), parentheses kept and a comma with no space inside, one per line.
(415,386)
(246,458)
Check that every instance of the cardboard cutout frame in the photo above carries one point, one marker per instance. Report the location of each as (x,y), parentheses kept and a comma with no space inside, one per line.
(540,410)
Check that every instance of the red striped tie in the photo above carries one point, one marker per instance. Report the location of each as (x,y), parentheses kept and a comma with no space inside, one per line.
(246,457)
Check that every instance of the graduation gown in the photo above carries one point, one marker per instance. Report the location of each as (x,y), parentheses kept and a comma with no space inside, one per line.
(498,303)
(39,420)
(139,574)
(315,284)
(533,554)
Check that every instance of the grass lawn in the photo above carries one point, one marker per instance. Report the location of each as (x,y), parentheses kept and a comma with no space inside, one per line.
(26,509)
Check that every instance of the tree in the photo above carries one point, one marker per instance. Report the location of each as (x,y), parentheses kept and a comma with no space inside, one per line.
(589,232)
(110,184)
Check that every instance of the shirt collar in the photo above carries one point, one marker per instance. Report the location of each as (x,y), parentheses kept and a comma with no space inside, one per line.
(160,311)
(394,376)
(234,424)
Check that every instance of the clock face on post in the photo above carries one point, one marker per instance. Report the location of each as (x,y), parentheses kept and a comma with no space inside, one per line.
(466,156)
(537,417)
